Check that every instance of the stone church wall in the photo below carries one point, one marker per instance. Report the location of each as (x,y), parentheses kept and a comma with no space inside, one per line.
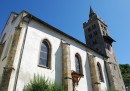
(29,66)
(36,32)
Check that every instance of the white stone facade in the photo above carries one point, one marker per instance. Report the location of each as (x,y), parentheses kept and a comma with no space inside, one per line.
(36,33)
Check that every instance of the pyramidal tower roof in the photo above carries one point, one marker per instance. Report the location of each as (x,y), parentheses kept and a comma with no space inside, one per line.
(91,13)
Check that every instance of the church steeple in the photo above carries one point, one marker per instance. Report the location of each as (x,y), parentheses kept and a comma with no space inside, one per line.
(97,37)
(91,13)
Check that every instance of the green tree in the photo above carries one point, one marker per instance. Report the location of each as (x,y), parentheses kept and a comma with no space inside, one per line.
(125,71)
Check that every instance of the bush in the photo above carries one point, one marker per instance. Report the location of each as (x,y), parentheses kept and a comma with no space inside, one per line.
(39,83)
(127,81)
(111,89)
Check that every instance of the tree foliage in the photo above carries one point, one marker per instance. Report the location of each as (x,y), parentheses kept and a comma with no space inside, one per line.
(125,71)
(39,83)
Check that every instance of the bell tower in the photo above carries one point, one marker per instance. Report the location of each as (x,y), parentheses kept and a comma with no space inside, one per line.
(97,37)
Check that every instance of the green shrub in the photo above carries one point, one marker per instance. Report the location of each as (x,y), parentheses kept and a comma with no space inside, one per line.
(127,81)
(111,89)
(39,83)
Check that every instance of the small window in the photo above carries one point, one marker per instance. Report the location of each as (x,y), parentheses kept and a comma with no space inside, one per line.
(7,44)
(2,40)
(93,26)
(103,33)
(105,28)
(95,32)
(90,36)
(114,67)
(100,75)
(78,64)
(102,26)
(94,42)
(2,47)
(89,29)
(45,54)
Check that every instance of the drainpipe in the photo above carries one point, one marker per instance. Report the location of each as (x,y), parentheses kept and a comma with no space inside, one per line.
(20,57)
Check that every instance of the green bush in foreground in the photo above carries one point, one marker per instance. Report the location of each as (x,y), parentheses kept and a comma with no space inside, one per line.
(39,83)
(111,89)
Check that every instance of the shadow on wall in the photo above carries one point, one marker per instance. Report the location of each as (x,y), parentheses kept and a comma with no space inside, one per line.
(88,76)
(58,65)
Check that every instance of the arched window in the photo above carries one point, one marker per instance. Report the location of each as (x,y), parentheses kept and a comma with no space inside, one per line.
(2,44)
(99,69)
(78,64)
(2,40)
(45,54)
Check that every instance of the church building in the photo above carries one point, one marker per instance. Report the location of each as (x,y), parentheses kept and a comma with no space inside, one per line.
(31,46)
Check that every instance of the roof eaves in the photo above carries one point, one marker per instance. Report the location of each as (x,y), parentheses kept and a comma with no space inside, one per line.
(6,22)
(59,31)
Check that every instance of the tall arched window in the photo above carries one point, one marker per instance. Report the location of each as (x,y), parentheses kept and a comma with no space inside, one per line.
(2,44)
(45,54)
(78,64)
(2,40)
(99,69)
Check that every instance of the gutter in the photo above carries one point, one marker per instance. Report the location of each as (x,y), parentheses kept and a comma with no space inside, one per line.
(20,57)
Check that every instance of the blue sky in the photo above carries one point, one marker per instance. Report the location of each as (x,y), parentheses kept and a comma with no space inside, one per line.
(69,16)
